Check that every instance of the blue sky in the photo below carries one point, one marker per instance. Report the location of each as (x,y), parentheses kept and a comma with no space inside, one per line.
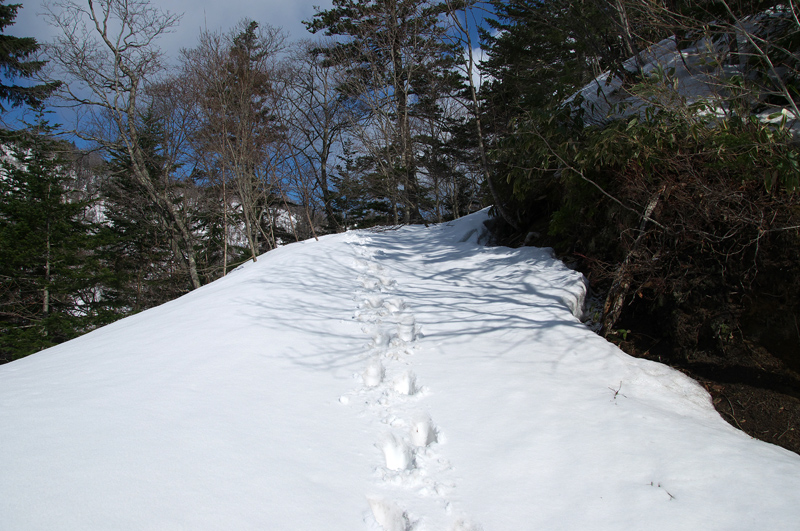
(195,15)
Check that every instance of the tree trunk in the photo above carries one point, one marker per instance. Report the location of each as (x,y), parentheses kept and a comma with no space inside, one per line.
(498,204)
(46,291)
(162,200)
(327,199)
(622,278)
(224,225)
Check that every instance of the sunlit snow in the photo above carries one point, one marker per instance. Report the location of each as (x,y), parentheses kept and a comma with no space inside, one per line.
(410,379)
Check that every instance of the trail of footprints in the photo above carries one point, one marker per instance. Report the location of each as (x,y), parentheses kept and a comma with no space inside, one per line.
(389,391)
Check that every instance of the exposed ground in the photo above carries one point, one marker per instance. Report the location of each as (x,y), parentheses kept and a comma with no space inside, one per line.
(754,391)
(754,386)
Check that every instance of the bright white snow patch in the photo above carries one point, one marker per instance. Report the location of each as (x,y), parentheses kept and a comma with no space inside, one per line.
(403,380)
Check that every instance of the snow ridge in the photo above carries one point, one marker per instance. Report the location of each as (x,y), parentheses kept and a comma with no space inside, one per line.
(399,380)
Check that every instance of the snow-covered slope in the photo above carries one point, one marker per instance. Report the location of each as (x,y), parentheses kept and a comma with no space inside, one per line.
(398,380)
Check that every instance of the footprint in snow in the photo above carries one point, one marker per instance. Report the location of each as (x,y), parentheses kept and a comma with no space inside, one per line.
(465,525)
(423,431)
(373,302)
(407,328)
(396,452)
(364,252)
(388,515)
(386,282)
(370,283)
(382,338)
(410,460)
(378,283)
(373,374)
(405,383)
(394,305)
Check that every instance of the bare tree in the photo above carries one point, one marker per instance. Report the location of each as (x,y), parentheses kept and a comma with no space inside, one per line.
(318,115)
(107,51)
(236,76)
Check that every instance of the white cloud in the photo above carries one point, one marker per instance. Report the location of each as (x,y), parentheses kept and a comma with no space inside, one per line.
(197,14)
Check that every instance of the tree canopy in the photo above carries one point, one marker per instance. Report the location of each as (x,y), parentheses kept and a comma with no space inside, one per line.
(18,61)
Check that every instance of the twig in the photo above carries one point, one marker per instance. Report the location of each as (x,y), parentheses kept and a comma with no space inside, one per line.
(617,391)
(787,430)
(732,411)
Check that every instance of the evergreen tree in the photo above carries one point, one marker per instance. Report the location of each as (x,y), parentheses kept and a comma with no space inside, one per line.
(393,50)
(538,53)
(140,243)
(360,198)
(49,279)
(15,54)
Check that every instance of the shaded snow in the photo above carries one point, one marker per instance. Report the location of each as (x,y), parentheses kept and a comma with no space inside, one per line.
(409,379)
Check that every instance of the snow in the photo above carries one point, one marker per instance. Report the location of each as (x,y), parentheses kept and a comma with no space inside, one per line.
(284,219)
(690,75)
(398,380)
